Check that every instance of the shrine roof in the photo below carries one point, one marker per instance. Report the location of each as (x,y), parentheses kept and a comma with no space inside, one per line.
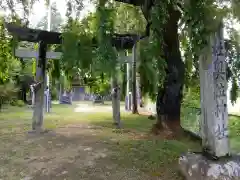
(120,41)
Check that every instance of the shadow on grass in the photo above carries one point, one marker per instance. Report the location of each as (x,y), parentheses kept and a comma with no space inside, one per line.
(154,154)
(156,157)
(129,121)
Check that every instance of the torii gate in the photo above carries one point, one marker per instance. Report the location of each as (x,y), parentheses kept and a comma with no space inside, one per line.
(119,41)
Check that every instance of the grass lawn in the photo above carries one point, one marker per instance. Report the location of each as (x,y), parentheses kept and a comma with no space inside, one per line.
(85,146)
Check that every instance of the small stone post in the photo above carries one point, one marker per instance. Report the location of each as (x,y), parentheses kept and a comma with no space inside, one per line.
(47,95)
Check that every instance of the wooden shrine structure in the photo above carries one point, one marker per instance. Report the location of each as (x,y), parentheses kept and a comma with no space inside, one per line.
(119,41)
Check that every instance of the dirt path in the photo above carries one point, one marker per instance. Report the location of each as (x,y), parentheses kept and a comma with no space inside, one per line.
(75,152)
(81,107)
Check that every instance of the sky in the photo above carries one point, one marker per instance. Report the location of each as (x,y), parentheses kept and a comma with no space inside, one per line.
(39,10)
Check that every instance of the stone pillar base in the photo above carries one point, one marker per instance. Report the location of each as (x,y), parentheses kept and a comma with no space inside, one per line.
(197,167)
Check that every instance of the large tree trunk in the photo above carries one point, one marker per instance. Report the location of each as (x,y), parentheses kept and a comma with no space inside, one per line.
(169,97)
(24,95)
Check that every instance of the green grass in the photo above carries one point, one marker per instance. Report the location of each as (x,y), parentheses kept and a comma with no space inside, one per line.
(132,147)
(157,157)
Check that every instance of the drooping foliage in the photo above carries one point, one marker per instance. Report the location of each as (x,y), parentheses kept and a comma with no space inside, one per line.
(147,69)
(9,67)
(77,46)
(128,19)
(233,49)
(194,30)
(83,55)
(106,53)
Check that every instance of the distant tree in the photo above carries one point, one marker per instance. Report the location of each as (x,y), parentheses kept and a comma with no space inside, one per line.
(10,68)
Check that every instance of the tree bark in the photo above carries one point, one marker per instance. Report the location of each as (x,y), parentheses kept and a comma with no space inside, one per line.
(116,101)
(116,94)
(24,95)
(134,81)
(170,96)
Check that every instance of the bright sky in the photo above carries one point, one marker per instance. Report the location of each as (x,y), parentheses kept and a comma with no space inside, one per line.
(39,9)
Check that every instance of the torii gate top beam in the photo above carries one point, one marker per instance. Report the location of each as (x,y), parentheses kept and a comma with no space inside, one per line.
(120,41)
(34,35)
(133,2)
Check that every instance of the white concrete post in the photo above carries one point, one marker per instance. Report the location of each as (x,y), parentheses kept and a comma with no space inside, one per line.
(130,100)
(213,83)
(128,105)
(33,95)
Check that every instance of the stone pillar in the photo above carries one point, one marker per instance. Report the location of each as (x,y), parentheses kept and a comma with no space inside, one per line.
(213,84)
(214,162)
(33,95)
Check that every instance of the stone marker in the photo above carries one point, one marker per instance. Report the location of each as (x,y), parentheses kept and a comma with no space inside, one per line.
(98,99)
(214,162)
(66,98)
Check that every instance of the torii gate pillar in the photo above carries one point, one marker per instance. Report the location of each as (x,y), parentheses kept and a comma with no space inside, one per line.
(37,119)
